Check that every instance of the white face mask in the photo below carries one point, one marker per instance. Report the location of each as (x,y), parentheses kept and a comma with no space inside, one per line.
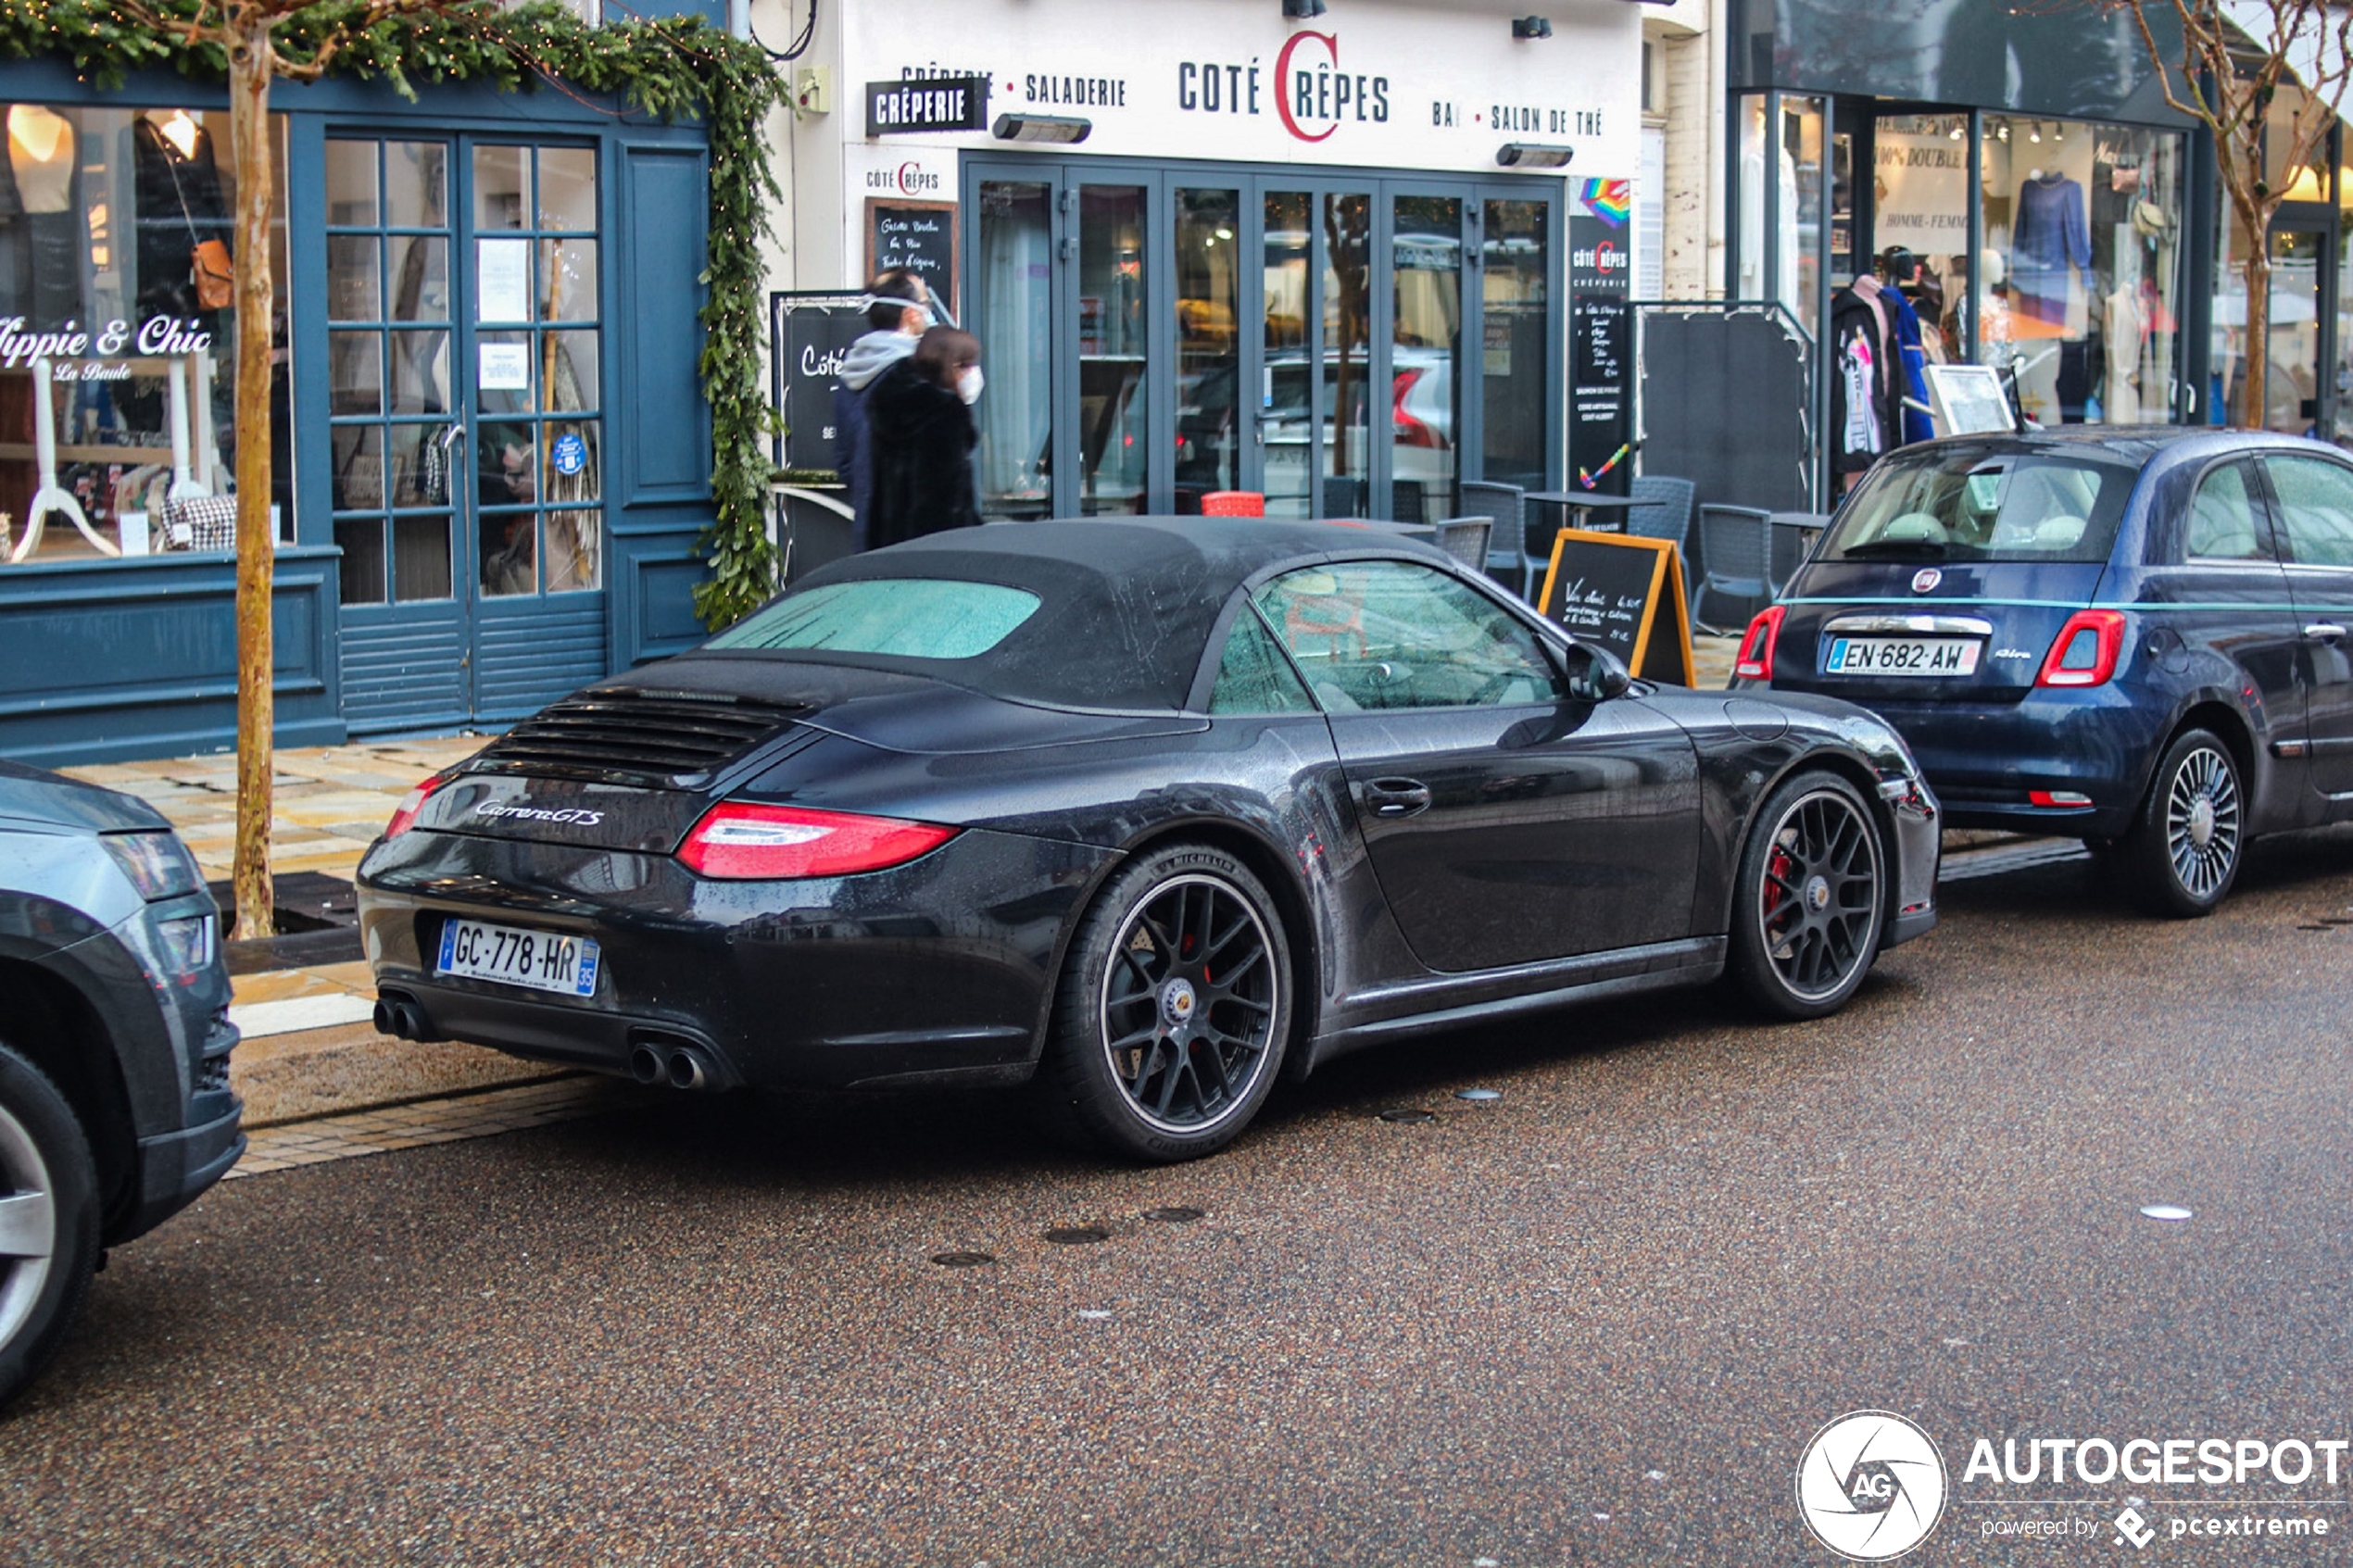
(969,383)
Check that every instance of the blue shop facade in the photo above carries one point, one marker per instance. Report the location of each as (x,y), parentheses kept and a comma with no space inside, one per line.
(492,449)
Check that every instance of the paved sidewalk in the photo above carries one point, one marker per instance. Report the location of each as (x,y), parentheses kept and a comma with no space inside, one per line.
(329,801)
(414,1123)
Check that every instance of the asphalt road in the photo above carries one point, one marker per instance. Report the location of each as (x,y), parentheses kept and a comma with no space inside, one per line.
(1594,1321)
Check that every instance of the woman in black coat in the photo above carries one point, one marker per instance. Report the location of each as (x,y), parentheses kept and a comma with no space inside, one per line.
(919,419)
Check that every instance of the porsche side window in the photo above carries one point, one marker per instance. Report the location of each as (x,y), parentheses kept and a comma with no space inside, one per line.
(2316,510)
(1385,635)
(2222,523)
(1252,675)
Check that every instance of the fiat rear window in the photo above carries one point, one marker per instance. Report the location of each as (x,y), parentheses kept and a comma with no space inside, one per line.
(1983,503)
(904,617)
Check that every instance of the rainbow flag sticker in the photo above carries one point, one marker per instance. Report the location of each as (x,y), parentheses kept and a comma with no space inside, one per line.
(1612,201)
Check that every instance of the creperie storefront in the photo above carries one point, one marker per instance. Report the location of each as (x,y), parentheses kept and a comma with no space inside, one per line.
(1209,248)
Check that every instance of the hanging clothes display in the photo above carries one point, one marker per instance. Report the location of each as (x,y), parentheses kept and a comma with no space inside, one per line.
(181,207)
(2051,241)
(1862,389)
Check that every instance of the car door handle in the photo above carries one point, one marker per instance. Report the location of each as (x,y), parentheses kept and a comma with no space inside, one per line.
(2324,632)
(1393,798)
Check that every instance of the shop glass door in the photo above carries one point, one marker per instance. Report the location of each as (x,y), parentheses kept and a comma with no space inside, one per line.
(2292,381)
(1114,400)
(1013,317)
(465,388)
(1426,340)
(1345,414)
(1514,287)
(1284,409)
(1153,335)
(1208,283)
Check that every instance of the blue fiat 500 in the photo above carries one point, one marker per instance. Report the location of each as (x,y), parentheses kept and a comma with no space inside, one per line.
(2140,639)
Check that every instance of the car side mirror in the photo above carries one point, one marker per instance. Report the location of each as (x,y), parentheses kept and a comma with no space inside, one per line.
(1594,674)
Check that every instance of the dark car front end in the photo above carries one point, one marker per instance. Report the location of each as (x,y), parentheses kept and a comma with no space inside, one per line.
(110,953)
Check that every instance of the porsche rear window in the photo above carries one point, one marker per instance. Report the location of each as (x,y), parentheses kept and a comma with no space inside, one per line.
(903,617)
(1983,503)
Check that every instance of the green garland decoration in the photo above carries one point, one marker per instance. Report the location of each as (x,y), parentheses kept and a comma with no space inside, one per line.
(673,68)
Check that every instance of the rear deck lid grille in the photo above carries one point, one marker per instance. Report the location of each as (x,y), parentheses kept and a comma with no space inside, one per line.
(630,735)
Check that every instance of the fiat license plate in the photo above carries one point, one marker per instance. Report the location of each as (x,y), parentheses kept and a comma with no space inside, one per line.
(543,960)
(1903,655)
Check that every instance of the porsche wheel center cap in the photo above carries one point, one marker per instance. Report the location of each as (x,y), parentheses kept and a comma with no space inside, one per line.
(1177,1001)
(1817,894)
(2202,824)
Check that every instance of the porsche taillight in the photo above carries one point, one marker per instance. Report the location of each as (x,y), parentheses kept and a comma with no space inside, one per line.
(740,841)
(2086,650)
(404,816)
(1755,661)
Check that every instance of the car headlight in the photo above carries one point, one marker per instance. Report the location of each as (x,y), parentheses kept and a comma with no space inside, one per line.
(184,947)
(157,864)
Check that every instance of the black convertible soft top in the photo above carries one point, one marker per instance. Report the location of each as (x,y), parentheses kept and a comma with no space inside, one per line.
(1128,603)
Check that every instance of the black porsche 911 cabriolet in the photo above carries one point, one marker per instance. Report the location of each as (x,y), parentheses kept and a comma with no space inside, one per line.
(1152,812)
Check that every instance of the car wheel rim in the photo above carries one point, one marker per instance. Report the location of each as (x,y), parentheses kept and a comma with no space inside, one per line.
(2202,822)
(28,1226)
(1818,907)
(1188,1005)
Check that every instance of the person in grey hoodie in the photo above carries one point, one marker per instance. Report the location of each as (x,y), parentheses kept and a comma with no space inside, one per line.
(899,316)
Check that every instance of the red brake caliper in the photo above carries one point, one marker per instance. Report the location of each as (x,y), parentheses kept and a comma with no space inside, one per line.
(1780,866)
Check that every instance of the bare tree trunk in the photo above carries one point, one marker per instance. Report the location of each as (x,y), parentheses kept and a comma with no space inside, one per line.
(249,71)
(2253,403)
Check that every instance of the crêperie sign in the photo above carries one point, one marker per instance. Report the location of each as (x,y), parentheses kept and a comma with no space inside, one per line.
(1625,594)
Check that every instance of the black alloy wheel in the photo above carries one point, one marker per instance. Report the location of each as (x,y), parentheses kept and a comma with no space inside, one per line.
(1810,905)
(1174,1009)
(48,1221)
(2187,845)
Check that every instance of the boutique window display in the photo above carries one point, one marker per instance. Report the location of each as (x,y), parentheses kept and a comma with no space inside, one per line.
(2079,278)
(1784,265)
(117,399)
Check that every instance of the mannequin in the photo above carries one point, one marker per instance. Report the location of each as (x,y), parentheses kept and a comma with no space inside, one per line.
(1753,238)
(2052,241)
(41,148)
(40,161)
(16,283)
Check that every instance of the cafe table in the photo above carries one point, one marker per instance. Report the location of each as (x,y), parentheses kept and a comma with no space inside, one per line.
(1591,512)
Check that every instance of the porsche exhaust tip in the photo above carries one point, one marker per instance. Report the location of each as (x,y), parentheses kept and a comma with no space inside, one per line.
(688,1070)
(647,1066)
(399,1018)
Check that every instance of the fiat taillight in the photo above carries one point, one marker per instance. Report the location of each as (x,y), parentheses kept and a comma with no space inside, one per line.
(2086,650)
(1755,661)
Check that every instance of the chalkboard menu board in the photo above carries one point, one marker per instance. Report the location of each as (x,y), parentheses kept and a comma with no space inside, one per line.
(1624,594)
(808,336)
(1601,328)
(920,236)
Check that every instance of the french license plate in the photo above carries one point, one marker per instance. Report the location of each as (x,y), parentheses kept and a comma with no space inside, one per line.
(543,960)
(1903,655)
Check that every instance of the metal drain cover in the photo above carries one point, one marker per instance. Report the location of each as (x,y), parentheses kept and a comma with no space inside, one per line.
(1478,1094)
(962,1259)
(1175,1216)
(2168,1212)
(1077,1236)
(1406,1113)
